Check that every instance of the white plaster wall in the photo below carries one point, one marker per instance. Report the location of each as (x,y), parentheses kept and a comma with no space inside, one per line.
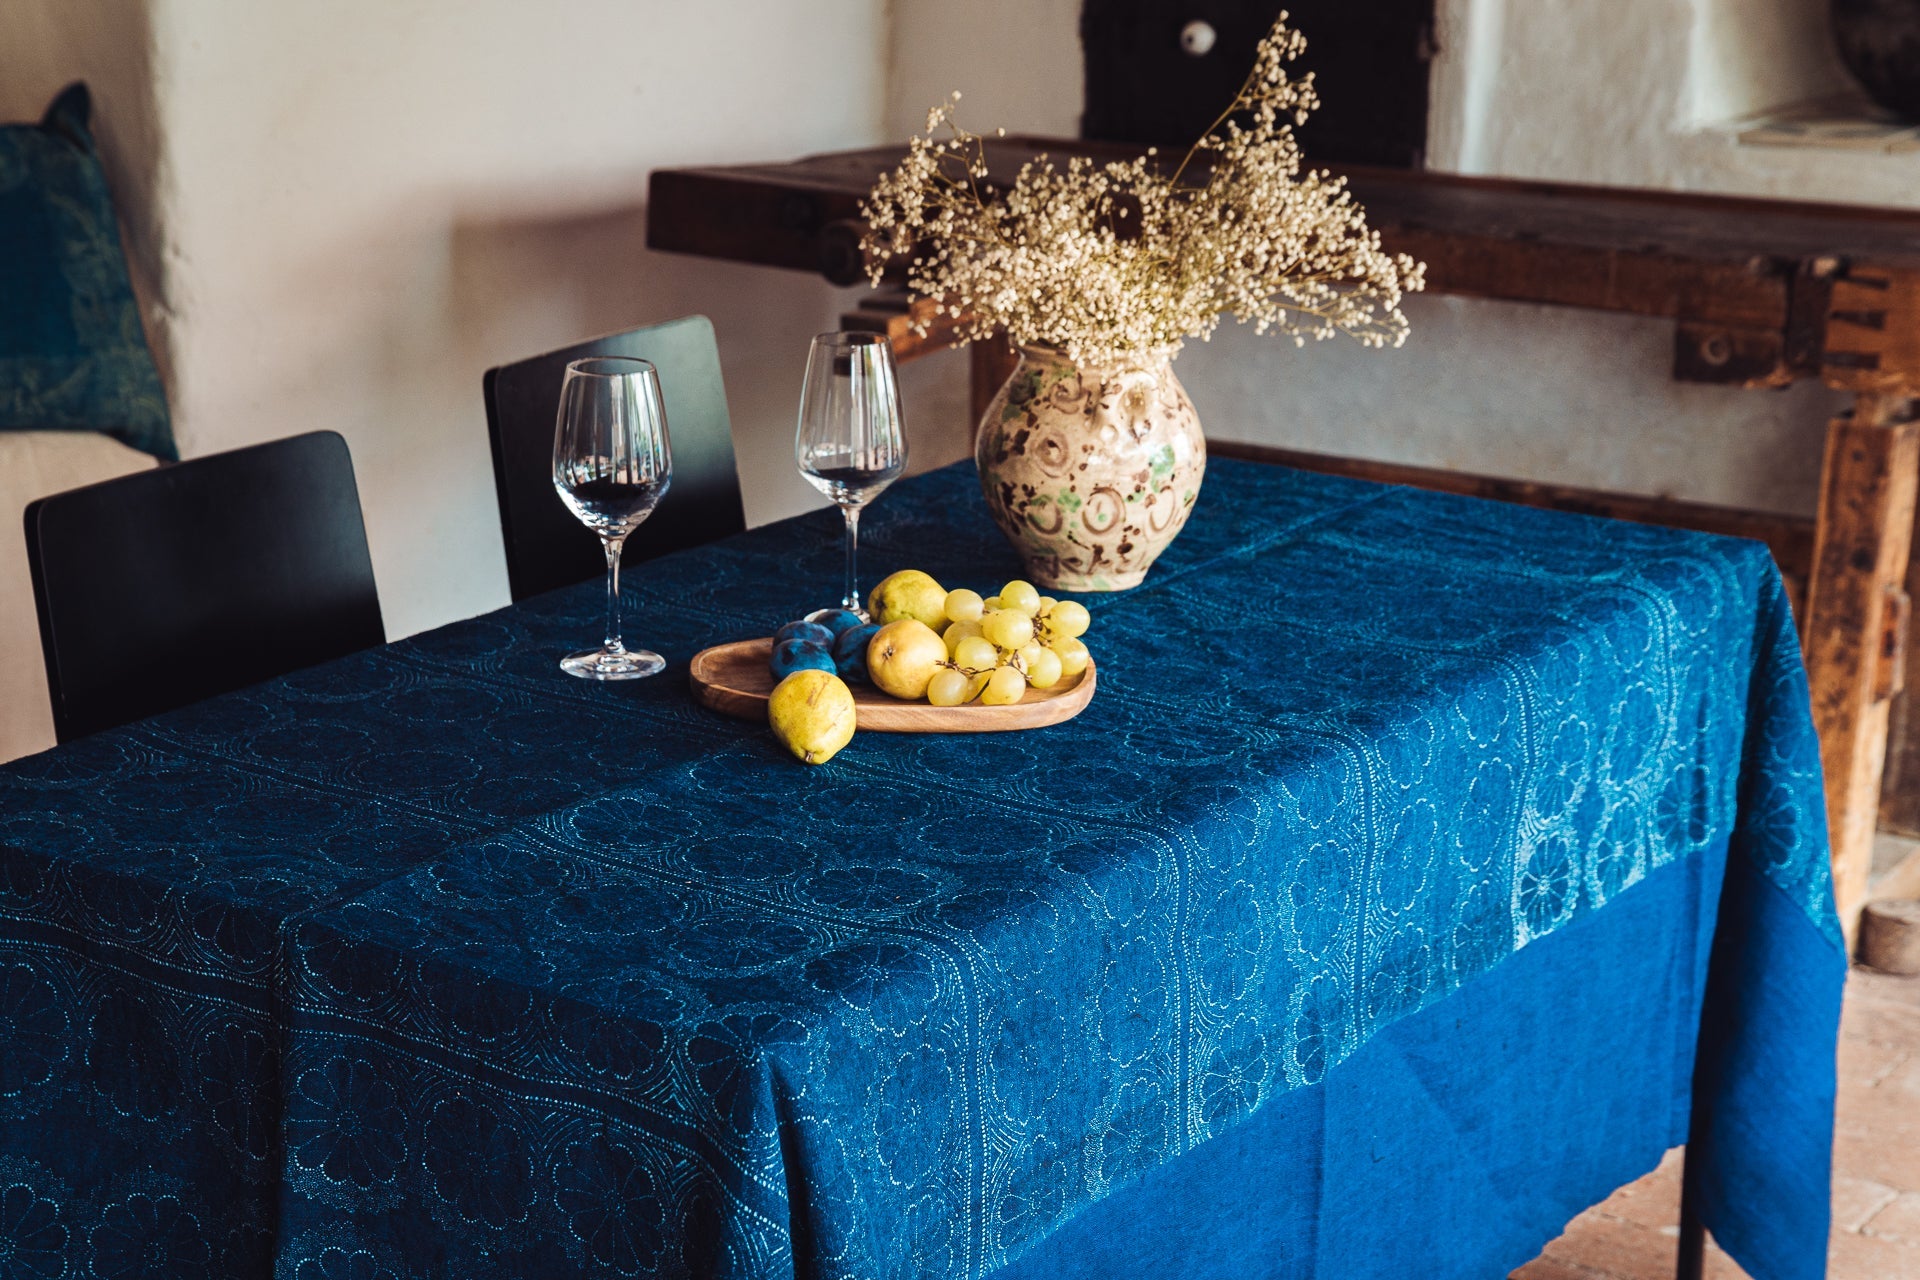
(1518,391)
(342,213)
(1631,92)
(1638,93)
(372,201)
(1031,83)
(1746,57)
(1016,63)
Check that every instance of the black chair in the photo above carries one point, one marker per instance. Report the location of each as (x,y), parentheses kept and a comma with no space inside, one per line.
(168,586)
(546,546)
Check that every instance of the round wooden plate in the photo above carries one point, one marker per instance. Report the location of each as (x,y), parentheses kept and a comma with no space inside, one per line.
(733,679)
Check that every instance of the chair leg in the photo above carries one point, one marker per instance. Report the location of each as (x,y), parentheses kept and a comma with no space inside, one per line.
(1692,1261)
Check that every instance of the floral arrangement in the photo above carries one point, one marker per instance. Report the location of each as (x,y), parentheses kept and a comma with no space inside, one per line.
(1126,260)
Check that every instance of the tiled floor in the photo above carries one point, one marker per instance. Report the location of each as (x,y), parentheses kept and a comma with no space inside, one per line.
(1876,1157)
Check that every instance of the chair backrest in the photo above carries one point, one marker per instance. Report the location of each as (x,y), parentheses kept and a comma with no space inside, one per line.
(547,546)
(168,586)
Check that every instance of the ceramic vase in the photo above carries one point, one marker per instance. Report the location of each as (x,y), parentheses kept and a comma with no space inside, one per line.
(1090,472)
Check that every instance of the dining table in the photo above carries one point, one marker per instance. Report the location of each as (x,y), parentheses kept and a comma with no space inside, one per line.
(1422,870)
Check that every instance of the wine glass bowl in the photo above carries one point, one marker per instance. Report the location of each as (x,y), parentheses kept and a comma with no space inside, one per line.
(851,440)
(612,463)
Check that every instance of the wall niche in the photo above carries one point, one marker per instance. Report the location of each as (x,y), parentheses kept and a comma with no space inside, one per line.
(1159,73)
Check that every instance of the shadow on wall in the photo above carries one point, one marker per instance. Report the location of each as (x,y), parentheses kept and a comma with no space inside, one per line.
(520,287)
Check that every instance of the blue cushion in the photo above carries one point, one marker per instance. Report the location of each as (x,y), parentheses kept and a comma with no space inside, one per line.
(72,353)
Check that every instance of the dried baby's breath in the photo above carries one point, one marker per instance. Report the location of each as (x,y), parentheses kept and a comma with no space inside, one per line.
(1126,260)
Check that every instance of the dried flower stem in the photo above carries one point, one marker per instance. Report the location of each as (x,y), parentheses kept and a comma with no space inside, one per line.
(1117,262)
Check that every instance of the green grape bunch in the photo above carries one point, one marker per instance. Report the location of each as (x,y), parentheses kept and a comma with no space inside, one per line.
(999,646)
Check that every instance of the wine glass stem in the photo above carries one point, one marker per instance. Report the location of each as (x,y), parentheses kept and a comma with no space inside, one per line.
(613,545)
(852,600)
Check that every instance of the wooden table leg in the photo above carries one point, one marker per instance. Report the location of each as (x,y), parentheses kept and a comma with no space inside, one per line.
(1852,629)
(1691,1264)
(990,363)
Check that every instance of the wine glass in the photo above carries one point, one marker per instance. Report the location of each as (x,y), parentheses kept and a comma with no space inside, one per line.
(850,443)
(611,464)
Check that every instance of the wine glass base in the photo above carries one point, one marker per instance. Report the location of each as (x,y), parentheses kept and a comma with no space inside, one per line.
(613,664)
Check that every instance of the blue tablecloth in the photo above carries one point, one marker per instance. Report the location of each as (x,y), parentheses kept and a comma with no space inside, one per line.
(1360,926)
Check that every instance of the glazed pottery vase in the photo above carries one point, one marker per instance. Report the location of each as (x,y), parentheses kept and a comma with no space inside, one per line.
(1090,472)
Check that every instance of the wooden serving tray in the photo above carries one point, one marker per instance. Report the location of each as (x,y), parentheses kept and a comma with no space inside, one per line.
(733,679)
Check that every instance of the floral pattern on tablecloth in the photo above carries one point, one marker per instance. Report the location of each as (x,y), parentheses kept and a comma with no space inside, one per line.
(434,961)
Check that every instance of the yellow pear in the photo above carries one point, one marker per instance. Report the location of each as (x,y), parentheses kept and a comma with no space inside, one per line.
(812,714)
(909,594)
(903,656)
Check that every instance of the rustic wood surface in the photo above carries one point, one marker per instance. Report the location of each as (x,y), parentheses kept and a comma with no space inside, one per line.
(1746,280)
(1667,235)
(888,312)
(1744,276)
(1863,534)
(1900,779)
(1873,329)
(733,679)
